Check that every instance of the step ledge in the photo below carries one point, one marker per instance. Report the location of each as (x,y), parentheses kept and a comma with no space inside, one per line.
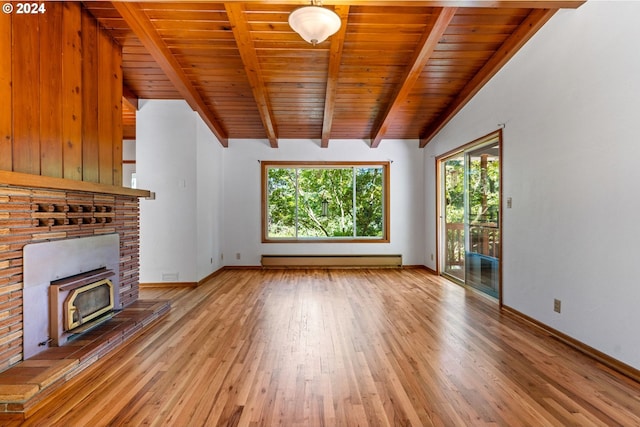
(21,398)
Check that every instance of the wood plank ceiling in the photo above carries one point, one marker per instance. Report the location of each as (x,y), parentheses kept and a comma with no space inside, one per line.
(396,69)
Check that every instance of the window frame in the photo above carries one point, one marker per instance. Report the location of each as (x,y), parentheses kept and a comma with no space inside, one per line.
(266,165)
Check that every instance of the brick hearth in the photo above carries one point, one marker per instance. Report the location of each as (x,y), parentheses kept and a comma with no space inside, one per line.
(26,384)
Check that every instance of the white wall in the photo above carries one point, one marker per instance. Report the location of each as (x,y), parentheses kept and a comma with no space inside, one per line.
(242,197)
(207,207)
(128,153)
(210,193)
(570,102)
(178,159)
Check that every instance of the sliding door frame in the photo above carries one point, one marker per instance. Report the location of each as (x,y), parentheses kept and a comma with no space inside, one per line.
(440,238)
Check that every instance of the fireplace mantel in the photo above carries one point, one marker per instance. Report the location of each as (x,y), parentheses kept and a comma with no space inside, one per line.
(38,181)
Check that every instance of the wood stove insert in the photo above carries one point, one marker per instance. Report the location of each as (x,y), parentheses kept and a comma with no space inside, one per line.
(80,302)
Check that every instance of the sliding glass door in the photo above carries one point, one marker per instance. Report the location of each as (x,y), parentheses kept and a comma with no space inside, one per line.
(470,215)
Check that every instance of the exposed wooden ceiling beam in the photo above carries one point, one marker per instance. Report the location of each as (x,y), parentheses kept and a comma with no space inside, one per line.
(421,56)
(130,98)
(536,19)
(142,26)
(242,34)
(528,4)
(335,58)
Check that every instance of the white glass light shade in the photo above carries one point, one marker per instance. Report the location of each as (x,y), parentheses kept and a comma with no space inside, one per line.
(314,23)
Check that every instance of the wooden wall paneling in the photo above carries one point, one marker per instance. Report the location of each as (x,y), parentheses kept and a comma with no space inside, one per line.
(50,81)
(116,100)
(90,154)
(72,90)
(61,93)
(6,110)
(105,113)
(26,93)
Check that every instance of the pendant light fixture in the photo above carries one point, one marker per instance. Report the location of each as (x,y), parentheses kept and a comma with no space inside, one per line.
(314,23)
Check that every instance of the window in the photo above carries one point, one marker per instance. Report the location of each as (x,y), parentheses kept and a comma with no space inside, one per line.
(325,201)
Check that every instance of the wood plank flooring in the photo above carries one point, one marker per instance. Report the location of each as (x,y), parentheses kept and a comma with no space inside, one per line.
(383,347)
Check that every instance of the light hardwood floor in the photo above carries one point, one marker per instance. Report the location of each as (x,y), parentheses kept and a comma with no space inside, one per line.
(340,348)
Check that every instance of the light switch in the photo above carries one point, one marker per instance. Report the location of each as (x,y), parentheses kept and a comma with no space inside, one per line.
(509,202)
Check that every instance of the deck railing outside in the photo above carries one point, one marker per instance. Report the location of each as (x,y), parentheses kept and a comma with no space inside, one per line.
(484,239)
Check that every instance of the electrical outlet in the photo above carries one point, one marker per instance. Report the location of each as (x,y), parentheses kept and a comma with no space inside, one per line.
(431,257)
(557,305)
(238,255)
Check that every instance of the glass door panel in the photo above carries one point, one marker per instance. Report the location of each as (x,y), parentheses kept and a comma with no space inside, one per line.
(483,218)
(453,216)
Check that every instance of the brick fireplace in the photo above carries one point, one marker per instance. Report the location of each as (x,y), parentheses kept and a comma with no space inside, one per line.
(30,215)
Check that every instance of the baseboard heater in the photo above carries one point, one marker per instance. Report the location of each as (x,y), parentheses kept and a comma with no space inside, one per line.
(325,261)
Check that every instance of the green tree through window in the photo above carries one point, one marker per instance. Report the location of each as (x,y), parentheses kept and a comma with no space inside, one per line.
(331,201)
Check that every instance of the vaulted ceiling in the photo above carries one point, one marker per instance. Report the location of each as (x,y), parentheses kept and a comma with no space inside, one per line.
(396,69)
